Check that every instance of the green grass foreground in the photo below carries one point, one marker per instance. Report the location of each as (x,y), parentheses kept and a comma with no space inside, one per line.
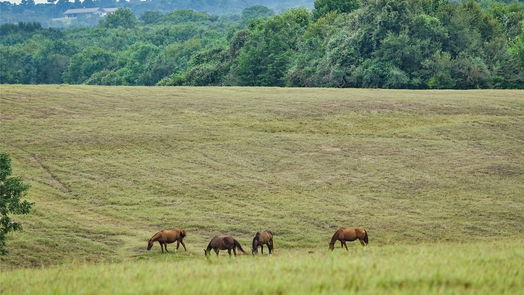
(450,268)
(432,175)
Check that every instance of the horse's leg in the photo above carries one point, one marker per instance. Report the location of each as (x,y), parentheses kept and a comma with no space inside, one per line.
(177,244)
(216,251)
(235,251)
(161,247)
(165,246)
(182,242)
(341,244)
(270,247)
(262,249)
(362,242)
(346,245)
(229,252)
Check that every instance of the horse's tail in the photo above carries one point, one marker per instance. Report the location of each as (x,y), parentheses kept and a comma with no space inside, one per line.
(366,237)
(333,240)
(237,244)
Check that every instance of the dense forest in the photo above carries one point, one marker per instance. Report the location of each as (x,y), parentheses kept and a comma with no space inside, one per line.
(415,44)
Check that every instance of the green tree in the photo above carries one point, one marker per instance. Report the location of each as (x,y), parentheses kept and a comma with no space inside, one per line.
(265,59)
(136,57)
(209,67)
(12,189)
(186,15)
(517,49)
(438,71)
(471,72)
(150,17)
(172,59)
(16,66)
(86,63)
(323,7)
(122,17)
(257,11)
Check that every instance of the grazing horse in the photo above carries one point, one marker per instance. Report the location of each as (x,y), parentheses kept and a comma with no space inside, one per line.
(261,238)
(223,243)
(168,236)
(349,234)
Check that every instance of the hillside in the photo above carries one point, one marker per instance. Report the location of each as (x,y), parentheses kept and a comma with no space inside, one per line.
(110,166)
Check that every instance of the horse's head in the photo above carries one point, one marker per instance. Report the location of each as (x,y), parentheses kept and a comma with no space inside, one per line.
(254,249)
(331,246)
(207,252)
(149,245)
(182,233)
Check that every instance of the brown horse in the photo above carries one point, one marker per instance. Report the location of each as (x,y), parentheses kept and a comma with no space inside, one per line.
(261,238)
(349,234)
(168,236)
(223,243)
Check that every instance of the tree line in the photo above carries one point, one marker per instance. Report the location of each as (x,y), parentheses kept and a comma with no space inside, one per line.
(416,44)
(49,14)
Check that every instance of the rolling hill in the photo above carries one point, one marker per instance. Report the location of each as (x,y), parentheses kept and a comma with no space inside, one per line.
(110,166)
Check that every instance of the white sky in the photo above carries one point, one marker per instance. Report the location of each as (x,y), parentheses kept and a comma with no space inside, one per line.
(36,1)
(18,1)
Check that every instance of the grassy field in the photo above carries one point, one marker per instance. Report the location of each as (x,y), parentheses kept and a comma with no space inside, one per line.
(436,268)
(110,166)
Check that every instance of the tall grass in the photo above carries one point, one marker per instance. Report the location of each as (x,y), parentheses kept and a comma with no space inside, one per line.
(429,268)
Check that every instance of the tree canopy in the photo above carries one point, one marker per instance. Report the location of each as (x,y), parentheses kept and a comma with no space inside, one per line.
(416,44)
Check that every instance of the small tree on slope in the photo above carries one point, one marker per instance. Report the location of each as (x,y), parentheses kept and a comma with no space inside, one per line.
(11,190)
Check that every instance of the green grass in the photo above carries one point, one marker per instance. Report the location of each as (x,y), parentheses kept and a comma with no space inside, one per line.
(110,166)
(436,268)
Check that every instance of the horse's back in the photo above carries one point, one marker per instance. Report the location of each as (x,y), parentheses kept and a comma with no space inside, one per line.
(359,231)
(171,235)
(228,241)
(352,233)
(222,242)
(265,236)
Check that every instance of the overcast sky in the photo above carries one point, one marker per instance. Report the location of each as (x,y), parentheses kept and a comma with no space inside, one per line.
(18,1)
(36,1)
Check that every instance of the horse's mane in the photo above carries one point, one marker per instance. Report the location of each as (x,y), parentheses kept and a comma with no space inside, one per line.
(155,235)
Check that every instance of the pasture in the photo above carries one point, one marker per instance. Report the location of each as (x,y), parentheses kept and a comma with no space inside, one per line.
(432,175)
(436,268)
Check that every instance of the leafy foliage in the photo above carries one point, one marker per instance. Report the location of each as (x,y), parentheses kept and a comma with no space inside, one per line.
(124,18)
(323,7)
(414,44)
(12,189)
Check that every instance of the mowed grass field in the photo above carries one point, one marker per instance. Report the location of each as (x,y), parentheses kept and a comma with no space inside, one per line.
(436,177)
